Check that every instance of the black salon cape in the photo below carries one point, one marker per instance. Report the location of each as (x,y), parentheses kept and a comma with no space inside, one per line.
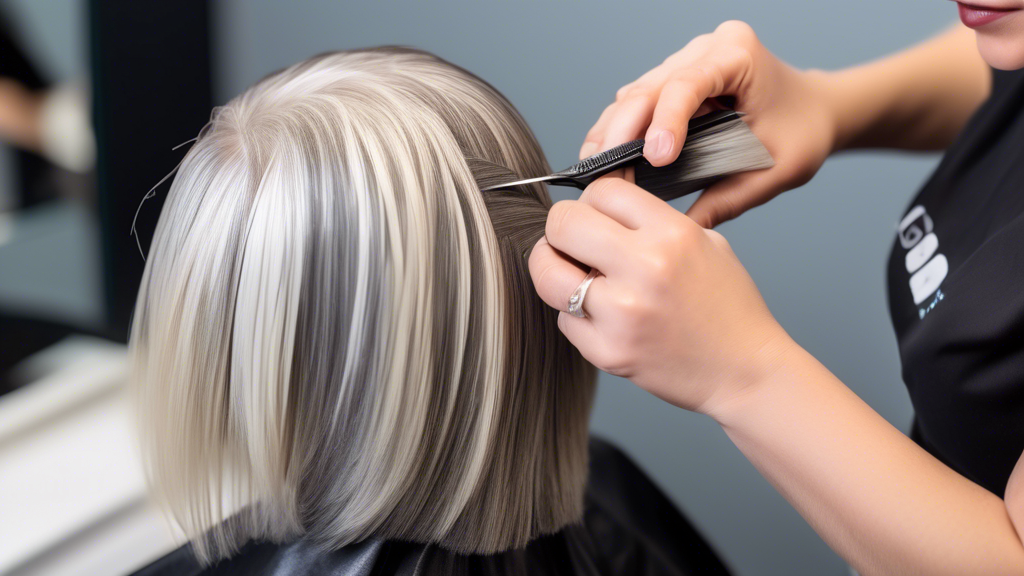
(629,528)
(956,295)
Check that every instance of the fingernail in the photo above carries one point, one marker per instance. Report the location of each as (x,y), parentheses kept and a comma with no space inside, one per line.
(659,147)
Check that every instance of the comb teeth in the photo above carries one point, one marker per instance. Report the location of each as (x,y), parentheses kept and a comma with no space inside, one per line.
(602,159)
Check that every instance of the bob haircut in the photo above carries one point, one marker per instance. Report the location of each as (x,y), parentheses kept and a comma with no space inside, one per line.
(336,336)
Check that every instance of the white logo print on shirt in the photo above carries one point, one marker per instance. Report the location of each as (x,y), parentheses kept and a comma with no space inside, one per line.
(927,268)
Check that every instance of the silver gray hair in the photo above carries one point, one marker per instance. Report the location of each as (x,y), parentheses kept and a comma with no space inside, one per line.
(336,335)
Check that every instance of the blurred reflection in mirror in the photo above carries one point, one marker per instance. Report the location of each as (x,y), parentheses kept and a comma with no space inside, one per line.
(50,266)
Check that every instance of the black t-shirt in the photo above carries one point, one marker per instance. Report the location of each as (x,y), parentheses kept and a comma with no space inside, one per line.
(956,294)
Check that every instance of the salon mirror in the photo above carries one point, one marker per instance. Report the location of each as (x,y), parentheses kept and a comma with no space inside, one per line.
(91,92)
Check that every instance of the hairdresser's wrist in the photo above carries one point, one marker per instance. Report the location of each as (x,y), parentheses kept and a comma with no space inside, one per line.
(849,113)
(777,356)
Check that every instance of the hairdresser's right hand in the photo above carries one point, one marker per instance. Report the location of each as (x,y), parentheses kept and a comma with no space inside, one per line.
(786,108)
(673,310)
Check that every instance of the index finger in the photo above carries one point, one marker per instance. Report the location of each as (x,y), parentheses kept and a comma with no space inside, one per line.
(587,235)
(683,94)
(625,202)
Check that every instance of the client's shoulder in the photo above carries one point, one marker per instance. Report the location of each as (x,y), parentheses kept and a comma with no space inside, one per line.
(635,527)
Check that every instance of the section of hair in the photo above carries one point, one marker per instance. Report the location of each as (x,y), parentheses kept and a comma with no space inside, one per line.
(336,335)
(517,215)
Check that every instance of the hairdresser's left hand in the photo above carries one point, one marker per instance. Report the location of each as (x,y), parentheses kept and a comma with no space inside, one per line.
(674,311)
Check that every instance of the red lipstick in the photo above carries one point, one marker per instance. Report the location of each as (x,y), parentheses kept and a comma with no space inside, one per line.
(976,16)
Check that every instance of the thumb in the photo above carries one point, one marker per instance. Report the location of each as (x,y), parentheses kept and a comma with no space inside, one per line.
(733,196)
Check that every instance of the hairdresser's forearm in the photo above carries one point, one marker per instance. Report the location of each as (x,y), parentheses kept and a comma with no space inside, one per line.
(878,499)
(917,99)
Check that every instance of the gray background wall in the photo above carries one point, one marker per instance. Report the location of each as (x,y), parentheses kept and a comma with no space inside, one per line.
(817,253)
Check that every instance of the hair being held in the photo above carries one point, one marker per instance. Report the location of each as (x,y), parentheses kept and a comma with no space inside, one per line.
(336,334)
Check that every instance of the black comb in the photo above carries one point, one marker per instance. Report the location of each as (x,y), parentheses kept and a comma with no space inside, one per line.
(717,144)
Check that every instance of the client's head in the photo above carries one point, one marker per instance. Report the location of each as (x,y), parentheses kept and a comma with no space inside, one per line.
(336,335)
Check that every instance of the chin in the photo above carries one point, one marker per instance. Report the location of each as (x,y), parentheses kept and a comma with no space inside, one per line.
(1002,49)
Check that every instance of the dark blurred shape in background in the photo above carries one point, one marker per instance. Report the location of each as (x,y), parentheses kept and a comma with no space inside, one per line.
(91,93)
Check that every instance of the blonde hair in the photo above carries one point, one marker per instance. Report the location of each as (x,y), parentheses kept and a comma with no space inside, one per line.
(336,335)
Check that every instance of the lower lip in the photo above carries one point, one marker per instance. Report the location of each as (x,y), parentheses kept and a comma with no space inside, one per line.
(974,17)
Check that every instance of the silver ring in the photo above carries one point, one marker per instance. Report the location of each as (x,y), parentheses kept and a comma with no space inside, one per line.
(576,300)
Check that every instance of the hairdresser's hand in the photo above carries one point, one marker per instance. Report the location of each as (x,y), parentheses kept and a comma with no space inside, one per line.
(20,115)
(674,310)
(787,109)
